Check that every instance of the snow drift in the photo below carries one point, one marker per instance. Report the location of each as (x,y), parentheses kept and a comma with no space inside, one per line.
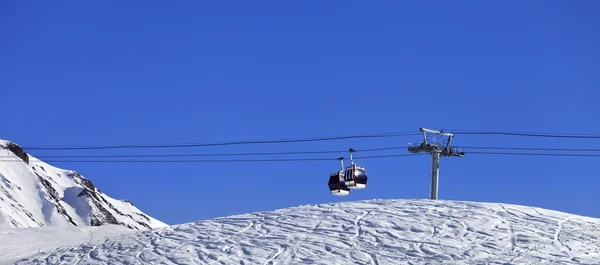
(36,194)
(367,232)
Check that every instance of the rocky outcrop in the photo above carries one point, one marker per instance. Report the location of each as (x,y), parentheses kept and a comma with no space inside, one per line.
(102,215)
(17,150)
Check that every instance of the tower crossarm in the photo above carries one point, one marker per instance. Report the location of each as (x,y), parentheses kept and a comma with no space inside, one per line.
(436,151)
(436,132)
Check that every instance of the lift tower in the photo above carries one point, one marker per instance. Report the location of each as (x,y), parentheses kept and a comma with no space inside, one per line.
(436,150)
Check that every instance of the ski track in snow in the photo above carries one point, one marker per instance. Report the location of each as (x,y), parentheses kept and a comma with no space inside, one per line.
(357,228)
(374,232)
(511,232)
(558,230)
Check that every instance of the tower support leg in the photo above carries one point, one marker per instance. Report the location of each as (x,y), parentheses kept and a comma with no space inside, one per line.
(435,168)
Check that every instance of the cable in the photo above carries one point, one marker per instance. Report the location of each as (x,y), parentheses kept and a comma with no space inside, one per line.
(209,161)
(534,154)
(575,136)
(316,139)
(188,155)
(299,159)
(218,154)
(308,152)
(548,133)
(531,148)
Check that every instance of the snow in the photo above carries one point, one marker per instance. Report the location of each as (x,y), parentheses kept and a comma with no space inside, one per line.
(45,213)
(366,232)
(38,195)
(79,204)
(17,243)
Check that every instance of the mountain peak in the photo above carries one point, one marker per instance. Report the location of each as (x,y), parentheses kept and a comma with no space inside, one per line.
(36,194)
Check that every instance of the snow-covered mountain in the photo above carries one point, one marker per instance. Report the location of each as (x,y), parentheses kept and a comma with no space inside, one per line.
(368,232)
(36,194)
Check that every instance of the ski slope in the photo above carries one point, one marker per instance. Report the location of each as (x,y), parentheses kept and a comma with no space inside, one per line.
(17,243)
(367,232)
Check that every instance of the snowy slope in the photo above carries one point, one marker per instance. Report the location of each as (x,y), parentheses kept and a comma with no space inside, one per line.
(16,243)
(367,232)
(36,194)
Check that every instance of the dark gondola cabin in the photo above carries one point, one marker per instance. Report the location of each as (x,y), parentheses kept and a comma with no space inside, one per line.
(355,177)
(337,186)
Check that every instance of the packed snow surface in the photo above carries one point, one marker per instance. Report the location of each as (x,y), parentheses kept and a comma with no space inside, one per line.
(17,243)
(366,232)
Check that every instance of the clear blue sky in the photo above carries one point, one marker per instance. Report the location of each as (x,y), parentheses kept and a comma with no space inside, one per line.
(90,73)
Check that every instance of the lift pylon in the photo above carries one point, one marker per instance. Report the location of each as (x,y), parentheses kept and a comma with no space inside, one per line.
(437,151)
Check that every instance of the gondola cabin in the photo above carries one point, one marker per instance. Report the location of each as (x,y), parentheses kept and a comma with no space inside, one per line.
(337,186)
(355,177)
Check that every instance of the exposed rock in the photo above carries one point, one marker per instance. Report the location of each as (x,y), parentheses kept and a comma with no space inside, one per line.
(17,150)
(41,194)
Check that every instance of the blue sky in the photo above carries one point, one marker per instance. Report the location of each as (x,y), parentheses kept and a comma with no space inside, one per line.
(90,73)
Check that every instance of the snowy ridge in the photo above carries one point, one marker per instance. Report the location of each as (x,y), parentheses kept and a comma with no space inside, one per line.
(368,232)
(36,194)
